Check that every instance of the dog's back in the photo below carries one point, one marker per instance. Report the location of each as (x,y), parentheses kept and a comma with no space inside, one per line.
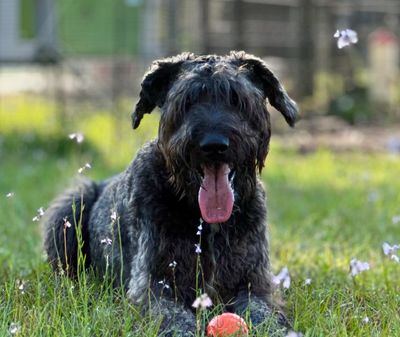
(66,226)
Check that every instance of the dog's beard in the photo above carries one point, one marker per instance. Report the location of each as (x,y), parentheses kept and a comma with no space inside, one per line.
(216,195)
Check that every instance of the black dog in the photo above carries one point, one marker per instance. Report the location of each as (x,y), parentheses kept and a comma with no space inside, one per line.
(213,139)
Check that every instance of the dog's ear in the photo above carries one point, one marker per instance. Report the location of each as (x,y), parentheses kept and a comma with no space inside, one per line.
(269,84)
(156,84)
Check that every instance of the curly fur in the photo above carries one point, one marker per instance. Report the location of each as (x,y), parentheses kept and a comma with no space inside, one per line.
(155,198)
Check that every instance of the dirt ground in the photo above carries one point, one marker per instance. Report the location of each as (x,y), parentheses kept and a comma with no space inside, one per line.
(335,134)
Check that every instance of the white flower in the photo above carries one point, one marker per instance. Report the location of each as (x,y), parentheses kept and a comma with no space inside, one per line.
(345,37)
(67,224)
(282,278)
(40,213)
(173,264)
(198,248)
(365,320)
(164,284)
(14,328)
(106,241)
(113,216)
(21,286)
(294,334)
(203,301)
(83,168)
(395,258)
(307,281)
(396,219)
(78,136)
(10,195)
(357,267)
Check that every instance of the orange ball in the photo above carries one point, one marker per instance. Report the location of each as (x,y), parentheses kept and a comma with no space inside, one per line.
(227,324)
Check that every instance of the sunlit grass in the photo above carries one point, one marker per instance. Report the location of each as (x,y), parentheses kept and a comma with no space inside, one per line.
(324,209)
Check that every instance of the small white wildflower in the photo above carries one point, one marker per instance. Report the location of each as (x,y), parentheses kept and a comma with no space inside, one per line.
(307,281)
(282,278)
(14,328)
(164,284)
(78,136)
(83,168)
(294,334)
(203,301)
(21,286)
(106,241)
(396,219)
(113,216)
(365,320)
(395,258)
(40,213)
(198,233)
(345,37)
(10,195)
(173,264)
(357,267)
(67,224)
(198,248)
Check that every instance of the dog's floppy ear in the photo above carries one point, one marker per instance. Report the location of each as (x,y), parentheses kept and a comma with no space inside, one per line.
(269,84)
(156,83)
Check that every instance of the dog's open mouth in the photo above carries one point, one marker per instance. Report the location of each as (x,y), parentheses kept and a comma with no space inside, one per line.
(216,194)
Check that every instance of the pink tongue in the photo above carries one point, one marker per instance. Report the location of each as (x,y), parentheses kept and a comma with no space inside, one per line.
(216,195)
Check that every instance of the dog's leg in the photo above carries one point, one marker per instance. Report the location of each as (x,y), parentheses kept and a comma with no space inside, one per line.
(176,319)
(263,316)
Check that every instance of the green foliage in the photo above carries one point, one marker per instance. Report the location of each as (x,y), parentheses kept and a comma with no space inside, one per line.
(98,27)
(324,209)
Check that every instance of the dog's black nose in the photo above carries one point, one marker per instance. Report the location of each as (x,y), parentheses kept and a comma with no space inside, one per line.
(214,143)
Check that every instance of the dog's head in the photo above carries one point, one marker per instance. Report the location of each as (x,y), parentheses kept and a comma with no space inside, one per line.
(215,127)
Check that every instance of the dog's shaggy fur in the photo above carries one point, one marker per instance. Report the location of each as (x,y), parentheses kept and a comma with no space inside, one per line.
(213,139)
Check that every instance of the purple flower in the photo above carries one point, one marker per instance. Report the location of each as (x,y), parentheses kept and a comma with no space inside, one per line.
(282,278)
(388,249)
(345,37)
(198,248)
(357,266)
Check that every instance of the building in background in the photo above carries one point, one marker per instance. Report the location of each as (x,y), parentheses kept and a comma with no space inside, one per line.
(28,31)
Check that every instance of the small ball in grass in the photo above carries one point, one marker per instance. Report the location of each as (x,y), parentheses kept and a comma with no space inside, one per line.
(227,324)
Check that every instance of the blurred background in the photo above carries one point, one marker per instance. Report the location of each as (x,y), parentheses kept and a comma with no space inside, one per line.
(95,51)
(76,66)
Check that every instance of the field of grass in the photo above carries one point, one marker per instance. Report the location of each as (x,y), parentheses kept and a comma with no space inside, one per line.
(324,209)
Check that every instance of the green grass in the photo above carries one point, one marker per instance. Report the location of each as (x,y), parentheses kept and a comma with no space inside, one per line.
(324,209)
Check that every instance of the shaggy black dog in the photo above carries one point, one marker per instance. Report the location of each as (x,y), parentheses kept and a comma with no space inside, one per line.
(142,225)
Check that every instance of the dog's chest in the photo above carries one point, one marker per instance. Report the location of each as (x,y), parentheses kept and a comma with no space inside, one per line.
(209,262)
